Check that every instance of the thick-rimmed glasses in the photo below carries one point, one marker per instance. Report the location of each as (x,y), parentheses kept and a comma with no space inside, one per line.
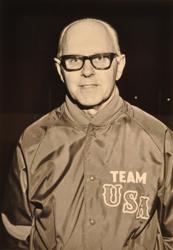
(101,61)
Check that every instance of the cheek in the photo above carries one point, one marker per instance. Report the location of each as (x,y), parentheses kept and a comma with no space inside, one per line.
(72,77)
(107,79)
(71,82)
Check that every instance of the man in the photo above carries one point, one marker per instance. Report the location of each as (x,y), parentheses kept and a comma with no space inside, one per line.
(97,172)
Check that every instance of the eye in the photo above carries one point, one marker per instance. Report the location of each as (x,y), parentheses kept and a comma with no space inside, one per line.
(74,60)
(99,58)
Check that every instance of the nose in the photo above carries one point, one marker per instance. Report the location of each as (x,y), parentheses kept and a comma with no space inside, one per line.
(87,69)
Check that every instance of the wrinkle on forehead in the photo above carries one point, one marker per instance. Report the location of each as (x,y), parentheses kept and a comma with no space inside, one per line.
(89,35)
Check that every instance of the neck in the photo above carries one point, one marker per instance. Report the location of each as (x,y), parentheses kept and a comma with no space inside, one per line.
(90,112)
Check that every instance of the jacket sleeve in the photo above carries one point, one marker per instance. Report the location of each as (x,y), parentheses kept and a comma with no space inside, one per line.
(166,211)
(16,214)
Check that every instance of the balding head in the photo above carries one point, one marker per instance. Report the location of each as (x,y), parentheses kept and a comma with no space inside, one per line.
(88,30)
(93,43)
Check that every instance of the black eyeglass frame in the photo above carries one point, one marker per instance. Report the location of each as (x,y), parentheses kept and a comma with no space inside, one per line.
(84,58)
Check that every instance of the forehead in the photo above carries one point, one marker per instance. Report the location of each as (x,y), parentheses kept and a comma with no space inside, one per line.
(87,38)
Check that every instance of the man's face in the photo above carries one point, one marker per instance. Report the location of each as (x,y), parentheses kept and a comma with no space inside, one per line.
(88,86)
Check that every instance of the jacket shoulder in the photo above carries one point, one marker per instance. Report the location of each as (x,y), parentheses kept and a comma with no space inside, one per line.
(35,132)
(152,126)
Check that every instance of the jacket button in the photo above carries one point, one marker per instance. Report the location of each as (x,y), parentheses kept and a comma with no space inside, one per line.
(92,222)
(92,178)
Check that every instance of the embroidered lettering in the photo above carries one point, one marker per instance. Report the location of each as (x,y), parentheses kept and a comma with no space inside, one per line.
(131,178)
(130,206)
(114,175)
(141,178)
(143,210)
(112,194)
(128,177)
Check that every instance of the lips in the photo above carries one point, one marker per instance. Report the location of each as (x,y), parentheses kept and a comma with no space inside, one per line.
(88,85)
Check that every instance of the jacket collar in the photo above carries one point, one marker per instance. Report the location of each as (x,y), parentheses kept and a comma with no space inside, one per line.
(110,112)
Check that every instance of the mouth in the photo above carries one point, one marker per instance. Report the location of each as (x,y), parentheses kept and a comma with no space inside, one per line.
(87,86)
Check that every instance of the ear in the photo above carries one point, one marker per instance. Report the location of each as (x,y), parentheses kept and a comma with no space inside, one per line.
(121,61)
(58,67)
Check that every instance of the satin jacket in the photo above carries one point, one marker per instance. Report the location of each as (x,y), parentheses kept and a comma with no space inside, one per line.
(104,183)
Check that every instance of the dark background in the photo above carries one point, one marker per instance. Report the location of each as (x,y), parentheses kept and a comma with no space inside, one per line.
(29,85)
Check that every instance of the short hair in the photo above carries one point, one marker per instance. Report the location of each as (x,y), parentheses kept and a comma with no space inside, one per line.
(110,29)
